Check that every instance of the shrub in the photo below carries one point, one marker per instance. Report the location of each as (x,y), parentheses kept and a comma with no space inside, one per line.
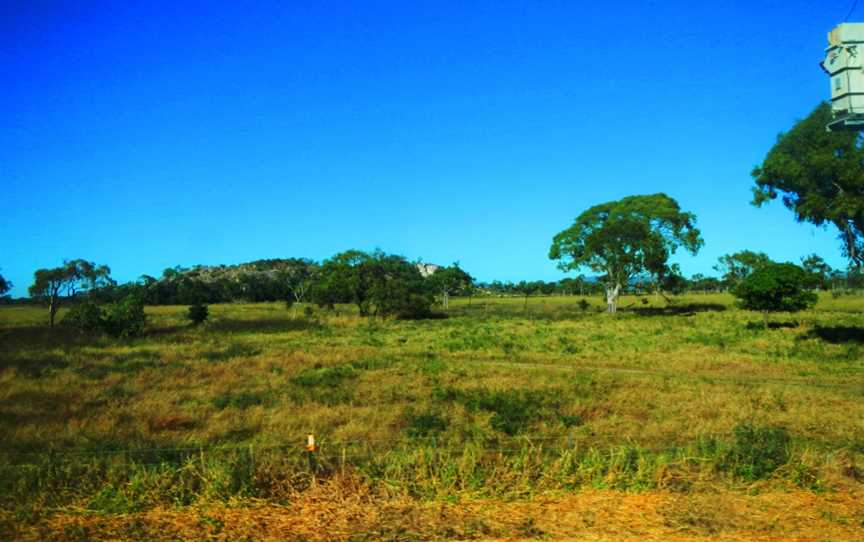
(84,317)
(379,284)
(775,287)
(198,313)
(124,318)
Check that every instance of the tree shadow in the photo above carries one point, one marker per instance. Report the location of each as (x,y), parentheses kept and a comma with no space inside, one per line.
(270,325)
(44,336)
(431,315)
(164,330)
(33,367)
(773,325)
(678,310)
(837,334)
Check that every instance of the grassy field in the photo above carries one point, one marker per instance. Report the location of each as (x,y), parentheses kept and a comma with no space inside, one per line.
(686,421)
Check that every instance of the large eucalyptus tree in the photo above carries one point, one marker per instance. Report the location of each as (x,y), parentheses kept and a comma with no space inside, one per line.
(624,238)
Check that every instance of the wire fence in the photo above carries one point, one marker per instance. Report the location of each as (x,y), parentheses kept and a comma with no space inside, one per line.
(379,449)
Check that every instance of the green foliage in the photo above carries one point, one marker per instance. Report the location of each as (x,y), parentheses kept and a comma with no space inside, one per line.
(124,318)
(623,238)
(72,278)
(736,267)
(757,451)
(818,271)
(379,284)
(449,281)
(819,176)
(85,317)
(775,287)
(198,313)
(5,285)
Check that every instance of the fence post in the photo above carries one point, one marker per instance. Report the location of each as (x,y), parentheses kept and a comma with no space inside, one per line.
(343,458)
(311,448)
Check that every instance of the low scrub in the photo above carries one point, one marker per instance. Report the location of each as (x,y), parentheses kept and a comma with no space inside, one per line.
(124,318)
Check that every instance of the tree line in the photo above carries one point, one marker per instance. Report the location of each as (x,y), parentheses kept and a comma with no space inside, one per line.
(627,244)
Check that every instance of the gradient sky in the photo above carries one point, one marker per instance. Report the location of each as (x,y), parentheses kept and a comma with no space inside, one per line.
(145,136)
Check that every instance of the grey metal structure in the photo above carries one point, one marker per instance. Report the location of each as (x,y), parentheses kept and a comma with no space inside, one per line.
(844,62)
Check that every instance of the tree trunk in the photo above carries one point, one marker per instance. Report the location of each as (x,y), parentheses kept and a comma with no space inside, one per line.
(765,319)
(52,311)
(446,300)
(525,306)
(612,298)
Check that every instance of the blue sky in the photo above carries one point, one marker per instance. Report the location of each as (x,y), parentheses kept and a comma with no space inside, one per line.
(145,136)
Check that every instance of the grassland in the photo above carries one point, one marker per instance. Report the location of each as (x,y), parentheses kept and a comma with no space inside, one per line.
(489,423)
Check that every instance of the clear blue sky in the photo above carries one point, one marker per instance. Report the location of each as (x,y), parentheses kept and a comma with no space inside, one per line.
(145,136)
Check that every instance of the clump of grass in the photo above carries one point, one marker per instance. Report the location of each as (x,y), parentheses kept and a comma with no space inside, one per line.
(327,384)
(757,452)
(424,424)
(513,411)
(240,400)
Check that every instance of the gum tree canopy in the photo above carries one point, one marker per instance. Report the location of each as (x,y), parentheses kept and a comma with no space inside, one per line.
(624,238)
(71,278)
(819,176)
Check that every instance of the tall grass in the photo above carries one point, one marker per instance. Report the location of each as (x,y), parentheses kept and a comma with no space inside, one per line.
(495,400)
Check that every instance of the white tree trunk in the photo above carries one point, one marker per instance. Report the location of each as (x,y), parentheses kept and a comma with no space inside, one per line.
(612,298)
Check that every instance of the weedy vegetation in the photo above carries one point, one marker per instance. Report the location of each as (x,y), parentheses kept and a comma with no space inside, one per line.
(498,401)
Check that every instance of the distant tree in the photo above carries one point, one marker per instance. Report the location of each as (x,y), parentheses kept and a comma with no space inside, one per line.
(735,267)
(378,283)
(701,283)
(197,313)
(342,280)
(672,281)
(5,285)
(525,288)
(73,277)
(819,176)
(775,287)
(300,277)
(818,270)
(452,280)
(624,238)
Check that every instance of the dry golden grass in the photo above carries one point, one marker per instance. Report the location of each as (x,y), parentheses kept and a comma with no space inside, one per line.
(345,509)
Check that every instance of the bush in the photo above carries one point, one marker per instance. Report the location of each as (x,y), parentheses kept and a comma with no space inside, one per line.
(379,284)
(124,318)
(198,313)
(775,287)
(84,317)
